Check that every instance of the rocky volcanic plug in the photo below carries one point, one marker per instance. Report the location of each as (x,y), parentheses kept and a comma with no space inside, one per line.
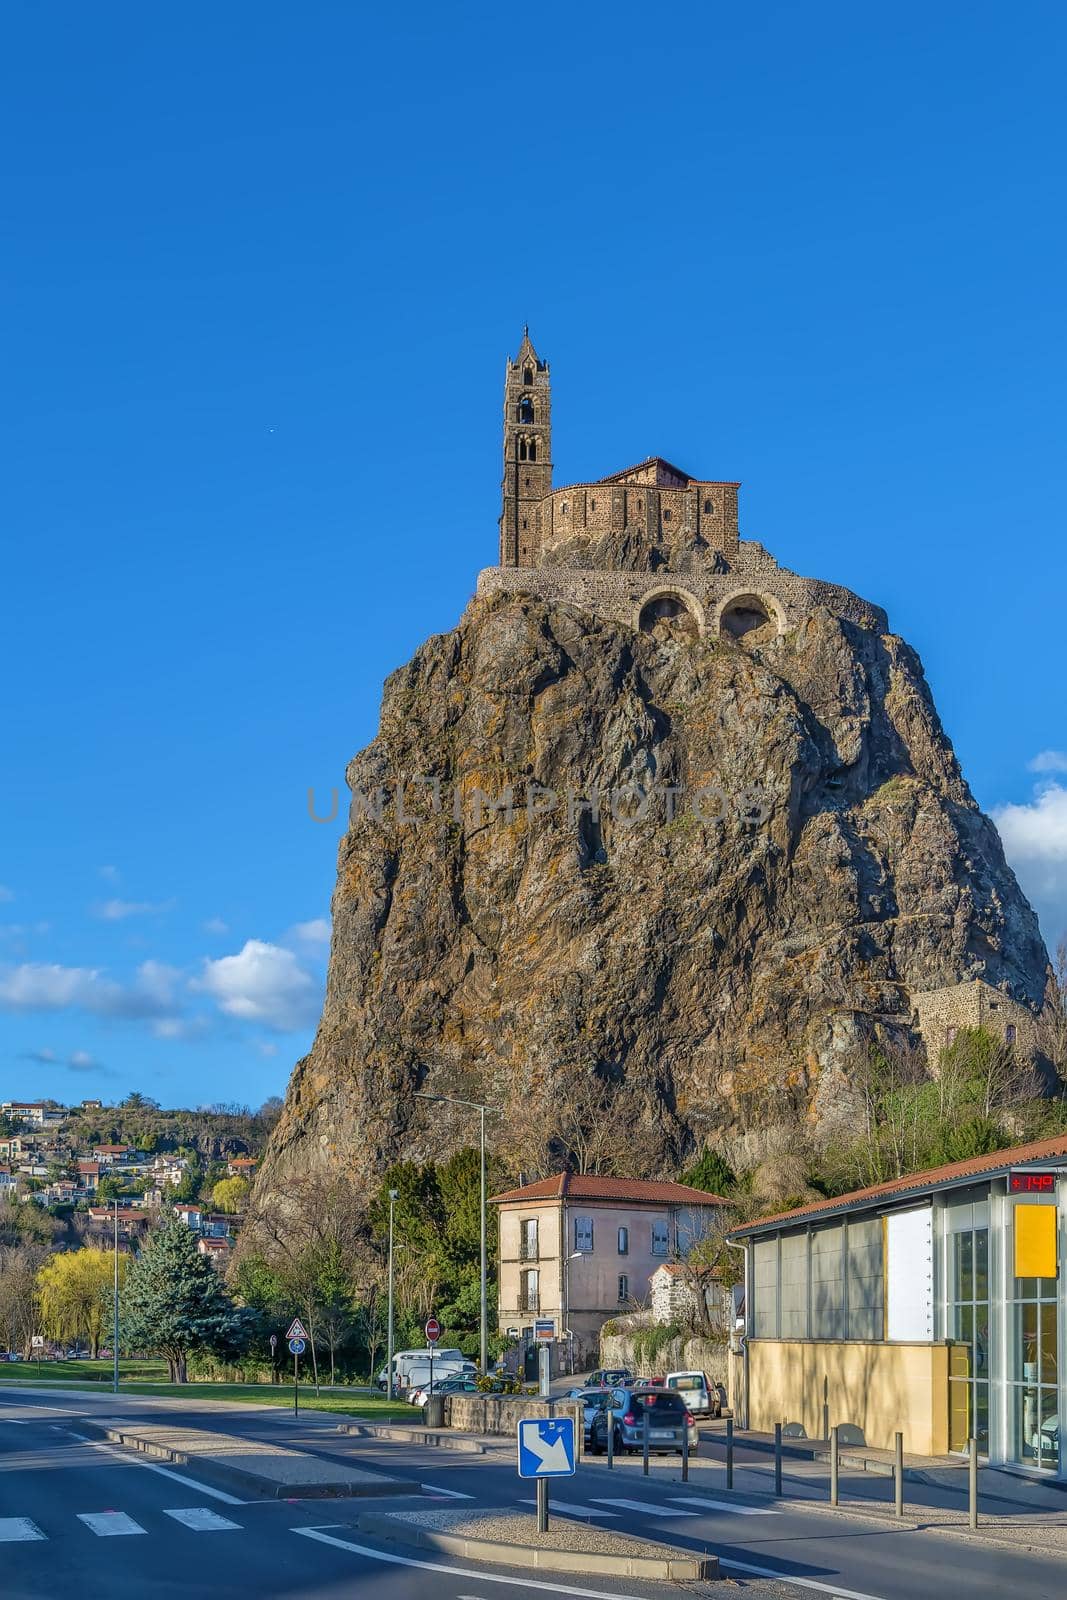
(784,856)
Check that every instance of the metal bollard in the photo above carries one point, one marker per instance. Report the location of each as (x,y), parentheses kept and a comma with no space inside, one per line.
(729,1452)
(685,1452)
(611,1437)
(778,1458)
(972,1481)
(644,1445)
(898,1473)
(835,1467)
(542,1505)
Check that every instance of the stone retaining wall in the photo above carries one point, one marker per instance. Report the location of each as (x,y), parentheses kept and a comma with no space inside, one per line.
(500,1414)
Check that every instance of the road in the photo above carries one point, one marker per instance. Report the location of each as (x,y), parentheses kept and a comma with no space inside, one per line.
(65,1499)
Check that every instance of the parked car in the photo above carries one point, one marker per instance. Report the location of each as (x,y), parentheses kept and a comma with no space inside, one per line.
(449,1360)
(610,1377)
(700,1394)
(453,1384)
(669,1419)
(593,1400)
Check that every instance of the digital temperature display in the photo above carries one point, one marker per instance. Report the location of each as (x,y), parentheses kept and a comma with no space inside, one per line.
(1032,1182)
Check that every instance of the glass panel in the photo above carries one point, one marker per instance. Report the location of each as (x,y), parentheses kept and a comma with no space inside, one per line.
(965,1323)
(963,1266)
(981,1340)
(981,1415)
(981,1264)
(1049,1353)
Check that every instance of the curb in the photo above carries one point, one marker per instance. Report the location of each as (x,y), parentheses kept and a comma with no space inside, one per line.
(680,1569)
(239,1478)
(382,1430)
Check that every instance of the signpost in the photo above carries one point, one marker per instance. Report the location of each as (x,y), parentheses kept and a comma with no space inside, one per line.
(433,1333)
(546,1450)
(297,1338)
(273,1358)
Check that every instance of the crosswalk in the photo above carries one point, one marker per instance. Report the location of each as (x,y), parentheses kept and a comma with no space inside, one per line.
(677,1505)
(119,1524)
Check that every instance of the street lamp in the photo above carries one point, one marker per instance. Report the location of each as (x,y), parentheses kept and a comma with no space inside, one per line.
(474,1105)
(115,1305)
(389,1329)
(575,1255)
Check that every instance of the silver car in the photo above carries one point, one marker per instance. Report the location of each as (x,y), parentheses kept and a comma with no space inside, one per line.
(592,1400)
(669,1422)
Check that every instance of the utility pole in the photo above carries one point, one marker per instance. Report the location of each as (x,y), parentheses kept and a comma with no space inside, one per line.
(475,1105)
(115,1305)
(389,1326)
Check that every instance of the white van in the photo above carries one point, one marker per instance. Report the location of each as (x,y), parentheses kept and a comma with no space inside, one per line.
(403,1359)
(701,1395)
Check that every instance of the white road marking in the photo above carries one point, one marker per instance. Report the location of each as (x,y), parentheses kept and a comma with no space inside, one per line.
(463,1572)
(106,1524)
(725,1505)
(18,1528)
(201,1520)
(453,1494)
(570,1510)
(648,1507)
(131,1459)
(833,1589)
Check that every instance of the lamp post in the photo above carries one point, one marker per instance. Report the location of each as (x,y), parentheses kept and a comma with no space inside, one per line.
(115,1306)
(475,1105)
(573,1255)
(389,1325)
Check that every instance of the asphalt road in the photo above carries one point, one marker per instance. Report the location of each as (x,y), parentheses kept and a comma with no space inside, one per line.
(56,1482)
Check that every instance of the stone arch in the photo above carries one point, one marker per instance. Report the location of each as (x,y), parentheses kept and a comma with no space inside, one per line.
(670,610)
(749,617)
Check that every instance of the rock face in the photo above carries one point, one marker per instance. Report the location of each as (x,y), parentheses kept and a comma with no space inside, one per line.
(785,853)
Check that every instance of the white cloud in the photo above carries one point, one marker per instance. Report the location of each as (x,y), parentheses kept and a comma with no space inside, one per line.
(119,910)
(44,1058)
(1048,761)
(262,983)
(1035,842)
(315,932)
(47,986)
(6,894)
(216,925)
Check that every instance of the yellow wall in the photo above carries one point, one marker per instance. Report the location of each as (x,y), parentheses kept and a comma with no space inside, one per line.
(876,1387)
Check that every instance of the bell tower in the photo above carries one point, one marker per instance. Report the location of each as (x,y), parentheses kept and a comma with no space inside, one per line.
(527,455)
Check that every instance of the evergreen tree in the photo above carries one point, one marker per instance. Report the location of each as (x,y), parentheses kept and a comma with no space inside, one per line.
(710,1173)
(175,1303)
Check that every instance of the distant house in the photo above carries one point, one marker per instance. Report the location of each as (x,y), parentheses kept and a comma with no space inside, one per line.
(113,1155)
(241,1166)
(130,1220)
(16,1144)
(89,1175)
(216,1226)
(152,1197)
(33,1111)
(92,1105)
(216,1249)
(8,1183)
(64,1190)
(189,1214)
(169,1169)
(674,1292)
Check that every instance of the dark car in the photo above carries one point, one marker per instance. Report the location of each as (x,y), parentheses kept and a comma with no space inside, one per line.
(669,1420)
(609,1377)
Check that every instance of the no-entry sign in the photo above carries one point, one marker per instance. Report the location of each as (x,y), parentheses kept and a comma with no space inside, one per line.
(433,1331)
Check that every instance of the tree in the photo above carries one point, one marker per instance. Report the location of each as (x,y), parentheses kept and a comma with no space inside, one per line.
(19,1266)
(135,1101)
(110,1188)
(710,1173)
(230,1194)
(74,1290)
(175,1303)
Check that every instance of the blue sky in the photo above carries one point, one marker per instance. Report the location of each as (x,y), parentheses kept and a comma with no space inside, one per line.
(260,267)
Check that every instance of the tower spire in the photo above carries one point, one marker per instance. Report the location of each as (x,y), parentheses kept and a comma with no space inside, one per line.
(527,455)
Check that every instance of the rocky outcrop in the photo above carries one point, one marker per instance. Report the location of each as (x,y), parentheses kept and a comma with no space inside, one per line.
(784,852)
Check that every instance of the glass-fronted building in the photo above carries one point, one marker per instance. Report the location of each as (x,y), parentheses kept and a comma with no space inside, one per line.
(935,1304)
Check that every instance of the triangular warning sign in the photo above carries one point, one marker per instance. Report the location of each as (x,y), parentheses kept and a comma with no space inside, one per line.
(296,1330)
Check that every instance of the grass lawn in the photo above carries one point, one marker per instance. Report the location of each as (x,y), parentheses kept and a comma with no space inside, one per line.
(149,1378)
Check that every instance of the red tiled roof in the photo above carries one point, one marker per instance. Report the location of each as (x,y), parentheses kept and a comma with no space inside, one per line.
(589,1186)
(1019,1155)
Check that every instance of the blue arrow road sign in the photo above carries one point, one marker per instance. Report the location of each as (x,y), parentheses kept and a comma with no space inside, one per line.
(297,1346)
(546,1447)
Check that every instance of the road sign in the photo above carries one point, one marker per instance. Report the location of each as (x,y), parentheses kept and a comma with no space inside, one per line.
(544,1328)
(297,1346)
(433,1331)
(546,1447)
(296,1330)
(274,1341)
(37,1341)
